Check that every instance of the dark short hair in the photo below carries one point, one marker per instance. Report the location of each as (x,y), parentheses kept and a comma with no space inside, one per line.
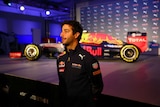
(76,27)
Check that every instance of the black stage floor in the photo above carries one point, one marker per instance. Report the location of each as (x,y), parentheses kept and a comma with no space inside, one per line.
(125,84)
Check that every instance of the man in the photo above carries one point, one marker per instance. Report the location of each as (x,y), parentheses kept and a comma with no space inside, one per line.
(80,79)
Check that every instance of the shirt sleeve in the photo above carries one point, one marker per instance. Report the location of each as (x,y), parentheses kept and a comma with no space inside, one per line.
(95,76)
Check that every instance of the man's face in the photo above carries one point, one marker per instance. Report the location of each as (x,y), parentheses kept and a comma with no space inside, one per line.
(67,34)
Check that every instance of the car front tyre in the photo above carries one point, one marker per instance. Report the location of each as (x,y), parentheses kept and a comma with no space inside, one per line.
(32,52)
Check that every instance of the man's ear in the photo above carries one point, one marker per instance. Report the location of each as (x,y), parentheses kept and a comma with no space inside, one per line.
(76,35)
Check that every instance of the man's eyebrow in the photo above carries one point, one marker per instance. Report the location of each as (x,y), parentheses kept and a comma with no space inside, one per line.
(66,29)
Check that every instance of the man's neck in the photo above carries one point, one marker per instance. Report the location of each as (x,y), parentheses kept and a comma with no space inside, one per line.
(72,46)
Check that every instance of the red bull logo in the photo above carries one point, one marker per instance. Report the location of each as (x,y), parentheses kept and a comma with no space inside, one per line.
(95,51)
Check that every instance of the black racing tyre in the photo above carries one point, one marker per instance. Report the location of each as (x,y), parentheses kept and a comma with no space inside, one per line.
(32,52)
(129,53)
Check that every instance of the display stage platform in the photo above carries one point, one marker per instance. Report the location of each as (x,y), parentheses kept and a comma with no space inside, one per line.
(35,83)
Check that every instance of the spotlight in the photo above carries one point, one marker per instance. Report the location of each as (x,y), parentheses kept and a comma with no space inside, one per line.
(22,8)
(8,2)
(48,12)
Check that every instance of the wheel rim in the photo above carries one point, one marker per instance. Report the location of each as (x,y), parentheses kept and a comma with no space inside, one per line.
(31,52)
(129,53)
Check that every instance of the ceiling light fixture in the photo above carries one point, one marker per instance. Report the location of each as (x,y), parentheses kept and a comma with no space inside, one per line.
(22,8)
(48,12)
(9,4)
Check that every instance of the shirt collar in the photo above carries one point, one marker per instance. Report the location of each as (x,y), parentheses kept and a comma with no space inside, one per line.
(73,51)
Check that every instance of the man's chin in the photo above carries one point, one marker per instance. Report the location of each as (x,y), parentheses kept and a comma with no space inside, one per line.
(65,44)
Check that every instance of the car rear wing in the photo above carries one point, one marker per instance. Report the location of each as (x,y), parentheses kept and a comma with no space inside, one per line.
(139,39)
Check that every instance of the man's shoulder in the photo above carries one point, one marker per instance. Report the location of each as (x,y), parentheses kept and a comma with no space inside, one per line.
(87,54)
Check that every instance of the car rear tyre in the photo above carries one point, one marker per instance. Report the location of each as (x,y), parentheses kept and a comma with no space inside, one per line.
(129,53)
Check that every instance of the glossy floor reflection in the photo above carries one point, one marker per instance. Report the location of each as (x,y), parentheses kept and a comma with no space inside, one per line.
(139,81)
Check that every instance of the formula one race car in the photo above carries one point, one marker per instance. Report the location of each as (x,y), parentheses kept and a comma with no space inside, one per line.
(98,44)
